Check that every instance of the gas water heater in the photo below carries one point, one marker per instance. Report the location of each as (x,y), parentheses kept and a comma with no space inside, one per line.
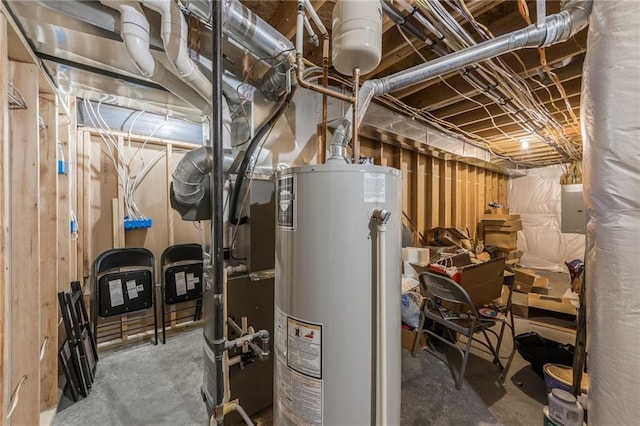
(337,295)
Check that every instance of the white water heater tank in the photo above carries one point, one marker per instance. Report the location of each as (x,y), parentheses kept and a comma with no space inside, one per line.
(330,331)
(356,35)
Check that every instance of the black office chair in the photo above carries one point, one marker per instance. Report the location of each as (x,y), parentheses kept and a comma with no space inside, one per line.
(124,282)
(181,279)
(439,289)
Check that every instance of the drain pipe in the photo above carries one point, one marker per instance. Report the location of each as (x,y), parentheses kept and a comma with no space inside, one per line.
(174,38)
(217,211)
(556,28)
(380,218)
(134,30)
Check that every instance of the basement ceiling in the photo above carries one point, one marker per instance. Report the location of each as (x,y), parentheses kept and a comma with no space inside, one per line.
(522,100)
(452,103)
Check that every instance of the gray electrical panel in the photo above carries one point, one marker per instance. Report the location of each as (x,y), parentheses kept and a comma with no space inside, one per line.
(574,218)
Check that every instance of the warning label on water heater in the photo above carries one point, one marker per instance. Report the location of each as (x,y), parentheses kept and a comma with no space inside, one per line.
(298,369)
(374,187)
(298,397)
(304,347)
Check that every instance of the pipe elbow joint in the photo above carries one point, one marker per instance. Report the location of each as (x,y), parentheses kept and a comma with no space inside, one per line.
(135,34)
(189,174)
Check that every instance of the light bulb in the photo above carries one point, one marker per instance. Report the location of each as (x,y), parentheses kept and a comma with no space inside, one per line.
(525,144)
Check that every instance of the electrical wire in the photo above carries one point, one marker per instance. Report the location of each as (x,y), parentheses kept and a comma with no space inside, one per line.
(532,116)
(248,190)
(132,171)
(244,166)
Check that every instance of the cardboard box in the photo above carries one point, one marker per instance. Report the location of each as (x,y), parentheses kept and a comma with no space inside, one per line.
(497,210)
(502,240)
(501,217)
(526,279)
(414,270)
(502,225)
(448,237)
(409,284)
(550,303)
(415,254)
(540,290)
(408,337)
(483,282)
(520,305)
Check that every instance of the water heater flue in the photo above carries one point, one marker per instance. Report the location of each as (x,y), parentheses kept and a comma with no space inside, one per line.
(357,35)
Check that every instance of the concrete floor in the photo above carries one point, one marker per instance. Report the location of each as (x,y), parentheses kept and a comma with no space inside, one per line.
(161,385)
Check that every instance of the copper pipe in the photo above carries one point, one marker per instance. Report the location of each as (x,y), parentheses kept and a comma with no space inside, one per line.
(315,87)
(354,127)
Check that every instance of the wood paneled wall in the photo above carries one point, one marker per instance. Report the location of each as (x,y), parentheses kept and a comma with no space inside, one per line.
(439,192)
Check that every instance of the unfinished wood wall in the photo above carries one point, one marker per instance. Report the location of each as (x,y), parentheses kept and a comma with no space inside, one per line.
(439,192)
(25,247)
(30,244)
(35,231)
(5,278)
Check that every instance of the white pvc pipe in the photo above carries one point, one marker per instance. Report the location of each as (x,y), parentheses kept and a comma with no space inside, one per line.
(610,110)
(135,33)
(243,414)
(300,28)
(382,324)
(314,16)
(174,38)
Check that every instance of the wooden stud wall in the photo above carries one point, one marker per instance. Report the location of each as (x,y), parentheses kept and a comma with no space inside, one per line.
(25,248)
(34,233)
(65,137)
(5,261)
(439,192)
(48,206)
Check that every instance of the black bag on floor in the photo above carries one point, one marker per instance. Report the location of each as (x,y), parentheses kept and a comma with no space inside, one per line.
(540,351)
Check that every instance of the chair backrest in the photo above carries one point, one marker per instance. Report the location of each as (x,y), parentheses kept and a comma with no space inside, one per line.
(182,273)
(181,252)
(444,288)
(124,281)
(123,258)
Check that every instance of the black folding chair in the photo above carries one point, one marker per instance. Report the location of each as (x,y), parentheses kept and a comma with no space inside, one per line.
(80,353)
(439,289)
(124,282)
(181,279)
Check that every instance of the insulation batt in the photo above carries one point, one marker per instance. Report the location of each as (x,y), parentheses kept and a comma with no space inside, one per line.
(611,132)
(536,197)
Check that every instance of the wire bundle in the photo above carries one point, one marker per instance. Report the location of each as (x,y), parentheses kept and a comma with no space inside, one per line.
(494,79)
(130,166)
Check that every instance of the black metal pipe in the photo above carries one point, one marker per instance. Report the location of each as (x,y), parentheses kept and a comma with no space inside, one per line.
(217,200)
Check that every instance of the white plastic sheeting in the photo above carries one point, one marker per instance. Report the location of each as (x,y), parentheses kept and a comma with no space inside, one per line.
(536,198)
(611,132)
